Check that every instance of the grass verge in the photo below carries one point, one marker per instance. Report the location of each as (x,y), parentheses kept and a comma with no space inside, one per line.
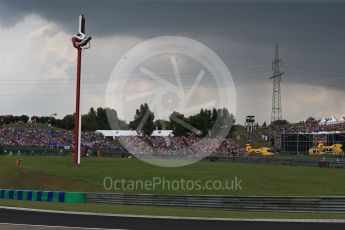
(57,173)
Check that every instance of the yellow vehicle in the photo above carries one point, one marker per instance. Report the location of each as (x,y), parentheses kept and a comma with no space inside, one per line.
(321,149)
(315,152)
(263,151)
(335,149)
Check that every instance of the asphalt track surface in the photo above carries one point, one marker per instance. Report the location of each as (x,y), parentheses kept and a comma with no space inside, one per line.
(24,219)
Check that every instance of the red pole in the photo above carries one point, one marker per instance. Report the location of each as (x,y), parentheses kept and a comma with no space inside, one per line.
(77,113)
(79,41)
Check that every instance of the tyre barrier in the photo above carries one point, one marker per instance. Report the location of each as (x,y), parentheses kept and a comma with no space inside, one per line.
(321,204)
(48,196)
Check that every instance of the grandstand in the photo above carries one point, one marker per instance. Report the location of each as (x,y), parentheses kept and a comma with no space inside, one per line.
(162,141)
(299,137)
(291,139)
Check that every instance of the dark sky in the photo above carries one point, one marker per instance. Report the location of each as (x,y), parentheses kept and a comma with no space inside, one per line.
(311,37)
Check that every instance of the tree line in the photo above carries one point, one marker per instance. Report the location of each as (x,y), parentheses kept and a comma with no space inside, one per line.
(210,122)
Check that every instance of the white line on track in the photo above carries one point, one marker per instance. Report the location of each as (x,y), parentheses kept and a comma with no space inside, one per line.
(179,218)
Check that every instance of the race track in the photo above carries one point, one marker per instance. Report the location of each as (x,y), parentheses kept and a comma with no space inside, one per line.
(42,220)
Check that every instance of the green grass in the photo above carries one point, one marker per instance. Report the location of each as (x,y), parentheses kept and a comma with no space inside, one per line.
(58,173)
(163,211)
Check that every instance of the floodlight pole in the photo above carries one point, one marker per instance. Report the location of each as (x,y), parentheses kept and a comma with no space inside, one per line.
(80,42)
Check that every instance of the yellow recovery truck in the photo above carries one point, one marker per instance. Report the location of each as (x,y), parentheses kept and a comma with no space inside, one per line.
(263,151)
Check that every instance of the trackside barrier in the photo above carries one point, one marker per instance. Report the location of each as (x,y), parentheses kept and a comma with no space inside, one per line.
(320,204)
(48,196)
(297,161)
(277,160)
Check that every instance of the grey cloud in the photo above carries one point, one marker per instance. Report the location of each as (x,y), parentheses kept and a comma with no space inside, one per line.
(311,35)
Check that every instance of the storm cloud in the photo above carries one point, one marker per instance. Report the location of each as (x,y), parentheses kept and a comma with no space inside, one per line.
(36,48)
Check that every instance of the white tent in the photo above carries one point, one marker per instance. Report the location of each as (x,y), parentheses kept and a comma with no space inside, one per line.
(118,133)
(162,133)
(323,121)
(325,132)
(134,133)
(333,120)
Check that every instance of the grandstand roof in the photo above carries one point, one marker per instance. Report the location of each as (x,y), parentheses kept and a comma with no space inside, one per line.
(314,133)
(332,120)
(133,133)
(118,133)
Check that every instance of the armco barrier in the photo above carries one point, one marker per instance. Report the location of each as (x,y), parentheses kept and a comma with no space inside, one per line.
(241,203)
(48,196)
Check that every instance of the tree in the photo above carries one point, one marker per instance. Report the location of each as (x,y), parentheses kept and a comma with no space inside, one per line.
(114,121)
(215,123)
(102,119)
(222,123)
(161,124)
(43,119)
(24,118)
(89,121)
(203,121)
(280,122)
(66,123)
(310,119)
(143,120)
(176,121)
(7,119)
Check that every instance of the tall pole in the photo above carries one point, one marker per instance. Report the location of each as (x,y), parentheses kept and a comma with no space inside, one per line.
(80,42)
(77,128)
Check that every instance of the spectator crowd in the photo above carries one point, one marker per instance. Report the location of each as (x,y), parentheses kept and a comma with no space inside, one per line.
(188,144)
(184,145)
(51,138)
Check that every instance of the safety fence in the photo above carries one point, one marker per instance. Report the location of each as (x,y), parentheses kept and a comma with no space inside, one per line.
(332,162)
(241,203)
(293,161)
(48,196)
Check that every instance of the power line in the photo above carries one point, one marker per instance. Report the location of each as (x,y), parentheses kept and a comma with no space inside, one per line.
(316,70)
(95,79)
(115,93)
